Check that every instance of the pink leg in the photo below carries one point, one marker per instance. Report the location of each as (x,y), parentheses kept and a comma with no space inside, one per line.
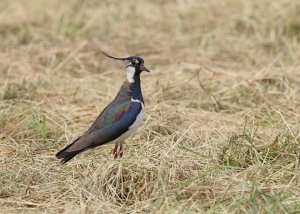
(121,150)
(115,151)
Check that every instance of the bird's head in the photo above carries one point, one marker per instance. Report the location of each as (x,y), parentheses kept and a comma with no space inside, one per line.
(134,65)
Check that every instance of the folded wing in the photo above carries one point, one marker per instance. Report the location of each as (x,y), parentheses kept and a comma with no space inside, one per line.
(111,124)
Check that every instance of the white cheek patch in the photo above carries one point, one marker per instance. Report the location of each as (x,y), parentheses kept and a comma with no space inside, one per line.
(130,73)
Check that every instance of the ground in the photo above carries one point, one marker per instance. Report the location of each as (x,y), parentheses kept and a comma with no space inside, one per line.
(221,132)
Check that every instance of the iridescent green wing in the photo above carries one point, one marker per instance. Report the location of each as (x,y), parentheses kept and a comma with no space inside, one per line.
(117,112)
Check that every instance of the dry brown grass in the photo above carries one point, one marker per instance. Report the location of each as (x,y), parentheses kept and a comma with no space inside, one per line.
(222,128)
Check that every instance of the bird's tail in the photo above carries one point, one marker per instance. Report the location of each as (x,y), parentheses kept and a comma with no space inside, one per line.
(67,154)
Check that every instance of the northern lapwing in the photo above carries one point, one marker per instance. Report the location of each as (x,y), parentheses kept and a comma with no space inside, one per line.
(119,119)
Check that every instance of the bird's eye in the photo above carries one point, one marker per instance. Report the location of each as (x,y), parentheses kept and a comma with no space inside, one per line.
(134,62)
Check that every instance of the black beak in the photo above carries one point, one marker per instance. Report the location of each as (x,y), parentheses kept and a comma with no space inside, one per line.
(143,68)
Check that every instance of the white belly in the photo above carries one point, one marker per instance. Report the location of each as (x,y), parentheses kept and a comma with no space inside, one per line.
(137,123)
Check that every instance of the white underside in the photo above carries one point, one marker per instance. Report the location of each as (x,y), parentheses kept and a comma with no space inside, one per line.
(137,123)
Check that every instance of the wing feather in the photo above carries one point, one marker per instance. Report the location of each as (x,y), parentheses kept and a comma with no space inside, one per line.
(108,126)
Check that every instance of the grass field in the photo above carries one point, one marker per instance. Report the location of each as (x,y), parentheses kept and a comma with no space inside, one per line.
(221,133)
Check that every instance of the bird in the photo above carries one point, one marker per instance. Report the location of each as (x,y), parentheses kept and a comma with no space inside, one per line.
(119,119)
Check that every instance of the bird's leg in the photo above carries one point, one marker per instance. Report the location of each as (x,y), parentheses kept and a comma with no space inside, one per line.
(115,151)
(121,150)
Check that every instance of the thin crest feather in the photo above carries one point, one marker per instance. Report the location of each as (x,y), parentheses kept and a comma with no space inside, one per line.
(112,57)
